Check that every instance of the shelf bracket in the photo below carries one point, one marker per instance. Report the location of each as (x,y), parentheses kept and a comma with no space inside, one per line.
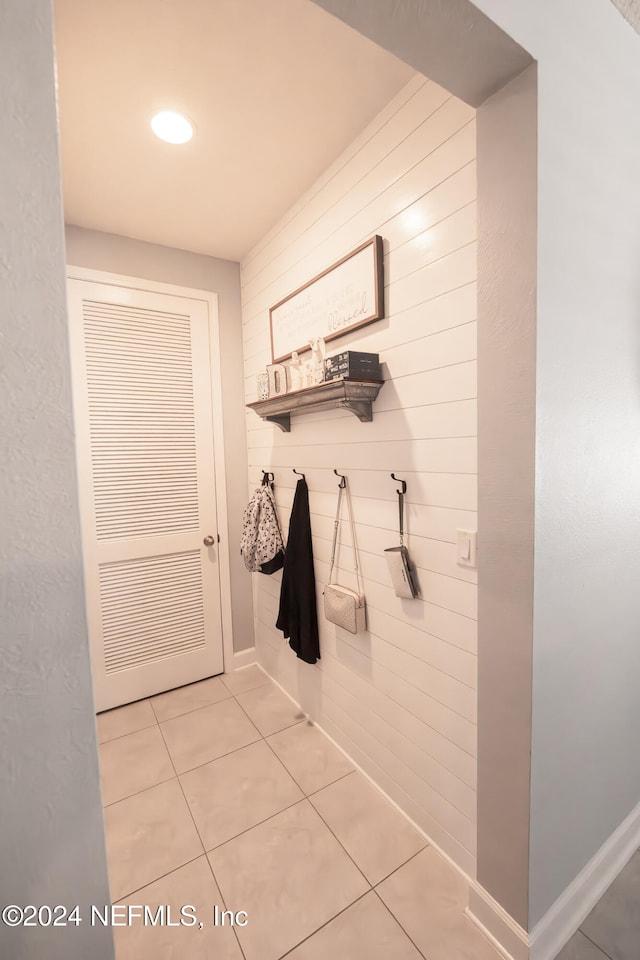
(361,408)
(283,421)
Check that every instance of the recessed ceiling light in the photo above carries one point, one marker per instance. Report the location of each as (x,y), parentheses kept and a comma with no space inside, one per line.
(172,127)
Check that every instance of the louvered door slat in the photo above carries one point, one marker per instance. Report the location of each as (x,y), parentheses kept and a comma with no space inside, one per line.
(142,392)
(113,356)
(138,629)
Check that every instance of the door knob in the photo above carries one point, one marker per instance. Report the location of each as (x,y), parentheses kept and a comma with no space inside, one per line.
(209,541)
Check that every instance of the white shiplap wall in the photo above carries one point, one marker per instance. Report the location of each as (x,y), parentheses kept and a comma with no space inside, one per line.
(400,699)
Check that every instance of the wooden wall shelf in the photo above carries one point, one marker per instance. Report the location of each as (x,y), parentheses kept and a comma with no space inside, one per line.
(356,396)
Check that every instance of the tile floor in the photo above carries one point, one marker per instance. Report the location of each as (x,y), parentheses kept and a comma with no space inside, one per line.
(222,794)
(612,929)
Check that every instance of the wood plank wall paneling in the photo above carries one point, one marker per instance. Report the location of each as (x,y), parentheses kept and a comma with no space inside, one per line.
(400,699)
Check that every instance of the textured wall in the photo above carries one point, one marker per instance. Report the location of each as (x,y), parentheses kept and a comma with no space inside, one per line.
(150,261)
(51,838)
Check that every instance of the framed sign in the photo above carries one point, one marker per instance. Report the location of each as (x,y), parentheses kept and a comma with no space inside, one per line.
(345,296)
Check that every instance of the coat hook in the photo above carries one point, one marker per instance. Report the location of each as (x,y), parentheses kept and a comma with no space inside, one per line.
(403,482)
(299,474)
(267,477)
(343,479)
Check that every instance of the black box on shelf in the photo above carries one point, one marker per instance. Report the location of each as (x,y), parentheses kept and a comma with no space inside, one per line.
(353,365)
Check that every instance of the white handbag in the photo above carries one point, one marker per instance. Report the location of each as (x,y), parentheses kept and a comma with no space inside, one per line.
(343,606)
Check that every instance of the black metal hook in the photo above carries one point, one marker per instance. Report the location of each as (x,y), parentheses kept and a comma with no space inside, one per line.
(403,482)
(267,477)
(299,474)
(343,479)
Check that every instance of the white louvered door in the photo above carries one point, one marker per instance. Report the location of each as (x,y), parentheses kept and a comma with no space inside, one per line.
(144,435)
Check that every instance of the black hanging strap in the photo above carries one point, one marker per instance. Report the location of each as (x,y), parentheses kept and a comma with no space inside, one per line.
(401,494)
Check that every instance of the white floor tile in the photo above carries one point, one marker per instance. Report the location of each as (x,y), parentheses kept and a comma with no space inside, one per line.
(236,792)
(291,876)
(364,930)
(124,720)
(191,885)
(310,757)
(192,697)
(374,833)
(148,835)
(246,678)
(270,709)
(428,897)
(206,734)
(133,763)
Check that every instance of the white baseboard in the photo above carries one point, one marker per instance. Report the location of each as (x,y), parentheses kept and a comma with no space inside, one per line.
(562,919)
(507,936)
(243,658)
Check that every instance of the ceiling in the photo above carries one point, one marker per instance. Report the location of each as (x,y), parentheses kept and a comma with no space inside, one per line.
(276,88)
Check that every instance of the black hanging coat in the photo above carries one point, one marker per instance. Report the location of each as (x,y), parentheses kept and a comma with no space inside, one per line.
(298,615)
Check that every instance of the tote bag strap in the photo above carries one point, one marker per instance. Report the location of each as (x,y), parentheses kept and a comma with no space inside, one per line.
(354,541)
(336,526)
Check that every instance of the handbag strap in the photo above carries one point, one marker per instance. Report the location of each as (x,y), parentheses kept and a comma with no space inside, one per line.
(336,525)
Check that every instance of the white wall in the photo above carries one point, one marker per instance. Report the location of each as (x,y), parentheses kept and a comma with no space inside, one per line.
(586,656)
(402,698)
(151,261)
(51,835)
(507,243)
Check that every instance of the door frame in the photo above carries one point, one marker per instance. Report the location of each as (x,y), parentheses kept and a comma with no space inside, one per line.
(215,360)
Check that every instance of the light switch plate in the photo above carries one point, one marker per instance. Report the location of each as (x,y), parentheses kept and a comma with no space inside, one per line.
(467,548)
